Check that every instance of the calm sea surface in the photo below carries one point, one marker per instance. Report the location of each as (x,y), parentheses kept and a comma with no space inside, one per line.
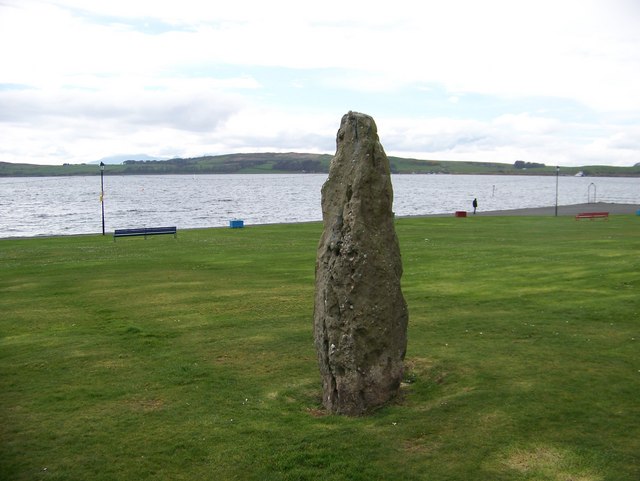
(35,206)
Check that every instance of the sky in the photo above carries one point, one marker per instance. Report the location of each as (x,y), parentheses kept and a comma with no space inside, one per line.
(555,82)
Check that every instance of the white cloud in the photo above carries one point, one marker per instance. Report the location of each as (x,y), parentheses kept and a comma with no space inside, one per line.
(184,77)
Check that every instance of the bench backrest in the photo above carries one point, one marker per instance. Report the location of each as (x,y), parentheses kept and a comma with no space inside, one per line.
(145,231)
(160,230)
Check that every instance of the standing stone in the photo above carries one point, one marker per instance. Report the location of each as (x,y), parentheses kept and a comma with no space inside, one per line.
(360,315)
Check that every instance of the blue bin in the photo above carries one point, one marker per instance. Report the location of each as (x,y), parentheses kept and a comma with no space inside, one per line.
(236,224)
(638,212)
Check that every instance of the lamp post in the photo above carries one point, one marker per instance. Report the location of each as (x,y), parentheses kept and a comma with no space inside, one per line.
(557,176)
(102,192)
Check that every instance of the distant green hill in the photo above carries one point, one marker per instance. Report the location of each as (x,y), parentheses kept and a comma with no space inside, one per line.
(293,162)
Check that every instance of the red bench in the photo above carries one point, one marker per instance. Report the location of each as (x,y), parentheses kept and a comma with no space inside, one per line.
(593,215)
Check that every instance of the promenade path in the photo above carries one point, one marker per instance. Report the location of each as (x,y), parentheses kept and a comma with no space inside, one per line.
(564,210)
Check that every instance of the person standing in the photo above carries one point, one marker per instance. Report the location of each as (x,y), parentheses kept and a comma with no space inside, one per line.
(475,205)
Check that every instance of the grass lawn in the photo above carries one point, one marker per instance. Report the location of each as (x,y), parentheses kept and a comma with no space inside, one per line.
(193,358)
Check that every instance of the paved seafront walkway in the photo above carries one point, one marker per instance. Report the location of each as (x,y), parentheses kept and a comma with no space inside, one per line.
(567,210)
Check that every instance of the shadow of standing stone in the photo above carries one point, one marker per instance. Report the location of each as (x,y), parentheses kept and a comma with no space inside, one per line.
(360,315)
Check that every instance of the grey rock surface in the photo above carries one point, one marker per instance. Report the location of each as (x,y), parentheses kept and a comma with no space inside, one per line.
(360,315)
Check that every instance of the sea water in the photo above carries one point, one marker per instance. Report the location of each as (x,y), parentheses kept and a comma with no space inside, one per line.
(33,206)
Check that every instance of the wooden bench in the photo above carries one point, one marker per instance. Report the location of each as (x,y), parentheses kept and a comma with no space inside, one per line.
(593,215)
(145,231)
